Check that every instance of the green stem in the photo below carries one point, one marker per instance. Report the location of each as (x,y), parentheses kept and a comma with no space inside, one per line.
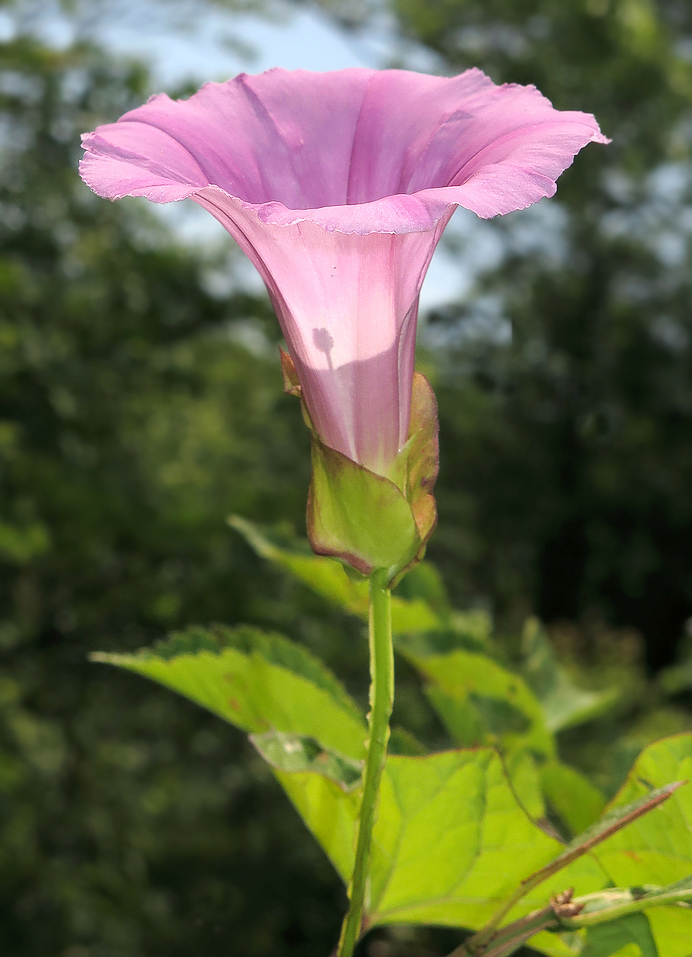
(511,937)
(381,699)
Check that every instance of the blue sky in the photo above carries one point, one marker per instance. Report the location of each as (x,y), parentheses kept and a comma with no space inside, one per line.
(193,39)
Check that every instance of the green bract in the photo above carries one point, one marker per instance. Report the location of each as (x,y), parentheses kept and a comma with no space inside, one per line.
(366,520)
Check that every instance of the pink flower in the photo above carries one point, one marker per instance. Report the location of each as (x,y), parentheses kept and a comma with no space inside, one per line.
(338,187)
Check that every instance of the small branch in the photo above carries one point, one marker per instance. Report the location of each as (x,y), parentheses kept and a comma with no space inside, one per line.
(566,912)
(610,904)
(597,833)
(506,940)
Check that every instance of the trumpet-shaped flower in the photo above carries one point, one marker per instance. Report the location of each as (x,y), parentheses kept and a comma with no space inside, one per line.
(338,187)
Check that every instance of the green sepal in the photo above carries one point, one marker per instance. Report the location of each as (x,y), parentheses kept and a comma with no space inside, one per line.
(357,516)
(369,521)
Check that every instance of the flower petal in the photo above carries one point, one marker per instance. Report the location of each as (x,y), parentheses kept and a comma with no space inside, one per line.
(359,151)
(135,159)
(338,186)
(280,136)
(347,304)
(425,132)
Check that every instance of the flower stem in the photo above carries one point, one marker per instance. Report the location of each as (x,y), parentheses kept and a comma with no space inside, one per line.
(381,699)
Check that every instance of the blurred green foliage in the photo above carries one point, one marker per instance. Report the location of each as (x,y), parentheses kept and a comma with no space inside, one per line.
(138,409)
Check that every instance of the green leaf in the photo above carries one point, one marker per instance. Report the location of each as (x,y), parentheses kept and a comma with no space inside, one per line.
(573,853)
(657,849)
(402,742)
(327,578)
(451,841)
(672,930)
(256,681)
(580,915)
(419,606)
(329,810)
(467,631)
(456,832)
(424,582)
(628,936)
(571,795)
(473,628)
(480,702)
(290,752)
(564,703)
(613,821)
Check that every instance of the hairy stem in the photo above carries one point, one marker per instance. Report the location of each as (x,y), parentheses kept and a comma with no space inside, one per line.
(381,699)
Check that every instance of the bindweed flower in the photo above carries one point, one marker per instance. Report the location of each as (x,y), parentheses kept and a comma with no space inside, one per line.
(338,187)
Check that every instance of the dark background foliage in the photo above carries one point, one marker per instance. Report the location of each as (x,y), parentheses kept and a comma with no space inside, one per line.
(139,407)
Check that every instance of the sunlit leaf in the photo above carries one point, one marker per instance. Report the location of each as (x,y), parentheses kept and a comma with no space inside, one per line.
(290,752)
(257,681)
(571,795)
(628,936)
(329,809)
(672,930)
(402,742)
(613,821)
(451,840)
(657,849)
(458,832)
